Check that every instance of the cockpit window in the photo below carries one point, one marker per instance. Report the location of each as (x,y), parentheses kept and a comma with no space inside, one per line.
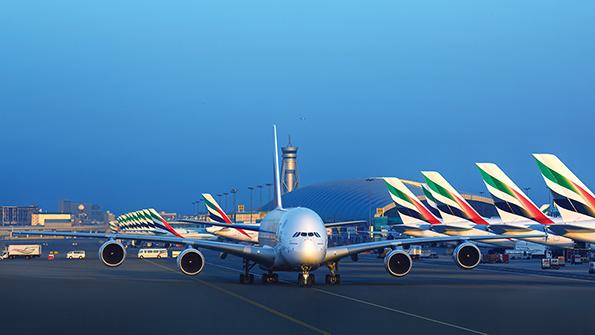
(304,234)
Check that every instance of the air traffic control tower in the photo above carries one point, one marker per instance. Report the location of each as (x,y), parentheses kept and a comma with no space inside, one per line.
(289,173)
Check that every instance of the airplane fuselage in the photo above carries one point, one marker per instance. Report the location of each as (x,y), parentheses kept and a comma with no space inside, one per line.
(298,237)
(552,240)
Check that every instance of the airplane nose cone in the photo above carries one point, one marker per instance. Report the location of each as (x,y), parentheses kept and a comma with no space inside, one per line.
(306,253)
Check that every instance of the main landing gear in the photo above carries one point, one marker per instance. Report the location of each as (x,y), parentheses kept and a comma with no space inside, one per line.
(305,278)
(333,278)
(247,277)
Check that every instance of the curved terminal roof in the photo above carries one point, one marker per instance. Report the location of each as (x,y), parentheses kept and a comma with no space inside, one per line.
(357,199)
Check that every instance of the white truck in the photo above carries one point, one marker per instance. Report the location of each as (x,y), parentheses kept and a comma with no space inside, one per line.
(27,251)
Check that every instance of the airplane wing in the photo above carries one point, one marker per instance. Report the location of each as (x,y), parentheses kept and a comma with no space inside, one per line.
(244,226)
(263,255)
(338,252)
(343,223)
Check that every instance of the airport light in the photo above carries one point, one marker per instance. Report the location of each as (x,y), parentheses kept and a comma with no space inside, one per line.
(226,207)
(233,192)
(251,188)
(260,196)
(269,186)
(370,203)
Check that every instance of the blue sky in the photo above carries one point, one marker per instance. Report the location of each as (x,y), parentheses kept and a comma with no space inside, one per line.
(148,103)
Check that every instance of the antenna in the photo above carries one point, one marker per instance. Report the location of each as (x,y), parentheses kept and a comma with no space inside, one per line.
(277,181)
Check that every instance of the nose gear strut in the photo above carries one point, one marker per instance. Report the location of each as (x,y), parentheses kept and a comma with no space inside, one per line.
(305,278)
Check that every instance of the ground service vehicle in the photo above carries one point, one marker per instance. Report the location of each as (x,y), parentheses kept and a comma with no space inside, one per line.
(27,251)
(76,254)
(152,253)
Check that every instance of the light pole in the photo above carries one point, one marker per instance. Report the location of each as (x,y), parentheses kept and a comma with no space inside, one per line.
(369,180)
(233,192)
(260,196)
(269,186)
(251,192)
(226,207)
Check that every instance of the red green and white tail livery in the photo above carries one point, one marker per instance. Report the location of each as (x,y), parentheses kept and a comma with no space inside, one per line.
(145,221)
(574,200)
(512,204)
(453,208)
(458,217)
(410,208)
(216,213)
(429,197)
(417,219)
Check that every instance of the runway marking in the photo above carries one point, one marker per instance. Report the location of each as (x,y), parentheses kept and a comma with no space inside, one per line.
(250,301)
(401,312)
(378,306)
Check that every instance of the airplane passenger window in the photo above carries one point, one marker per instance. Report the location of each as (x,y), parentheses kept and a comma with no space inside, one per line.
(296,234)
(304,234)
(310,234)
(316,234)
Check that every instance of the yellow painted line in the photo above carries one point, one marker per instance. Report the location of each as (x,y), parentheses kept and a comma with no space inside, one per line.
(251,302)
(390,309)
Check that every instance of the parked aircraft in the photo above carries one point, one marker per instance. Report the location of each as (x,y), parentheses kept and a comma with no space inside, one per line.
(518,213)
(290,239)
(458,217)
(572,198)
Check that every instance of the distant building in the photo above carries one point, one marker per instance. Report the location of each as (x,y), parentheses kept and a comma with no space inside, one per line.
(169,216)
(52,220)
(289,172)
(82,213)
(17,215)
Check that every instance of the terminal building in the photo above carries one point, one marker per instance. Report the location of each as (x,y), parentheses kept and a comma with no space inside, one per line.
(17,215)
(363,199)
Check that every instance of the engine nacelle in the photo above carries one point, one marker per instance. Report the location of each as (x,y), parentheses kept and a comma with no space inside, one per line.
(112,253)
(191,262)
(398,263)
(467,256)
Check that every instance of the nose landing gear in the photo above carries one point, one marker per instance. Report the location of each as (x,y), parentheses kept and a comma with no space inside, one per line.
(305,278)
(270,278)
(333,278)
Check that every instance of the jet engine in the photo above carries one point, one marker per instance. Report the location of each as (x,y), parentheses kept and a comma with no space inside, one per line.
(191,262)
(112,253)
(398,263)
(467,255)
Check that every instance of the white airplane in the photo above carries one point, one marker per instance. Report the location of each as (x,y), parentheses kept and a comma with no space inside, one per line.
(573,199)
(458,217)
(417,219)
(518,213)
(290,239)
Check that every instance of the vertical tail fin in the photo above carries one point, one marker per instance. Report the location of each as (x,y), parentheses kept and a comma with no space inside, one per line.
(574,200)
(145,221)
(429,197)
(216,213)
(277,177)
(411,210)
(511,203)
(453,208)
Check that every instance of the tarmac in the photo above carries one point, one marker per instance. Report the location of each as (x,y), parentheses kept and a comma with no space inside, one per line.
(151,296)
